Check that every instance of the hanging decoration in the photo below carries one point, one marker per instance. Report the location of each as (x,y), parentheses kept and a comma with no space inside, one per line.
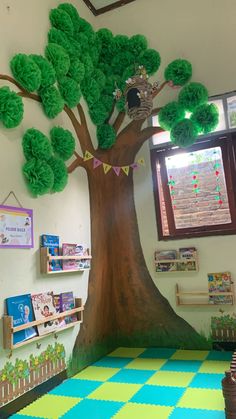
(195,184)
(116,169)
(171,184)
(216,166)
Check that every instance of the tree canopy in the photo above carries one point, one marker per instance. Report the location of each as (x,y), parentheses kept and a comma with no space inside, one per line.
(82,62)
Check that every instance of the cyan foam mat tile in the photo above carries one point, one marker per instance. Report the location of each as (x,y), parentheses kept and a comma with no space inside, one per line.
(182,413)
(204,380)
(93,409)
(76,388)
(162,353)
(163,396)
(181,366)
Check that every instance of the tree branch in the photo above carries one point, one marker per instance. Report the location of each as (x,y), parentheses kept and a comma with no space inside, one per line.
(112,110)
(119,120)
(29,95)
(155,111)
(80,129)
(13,81)
(148,132)
(82,115)
(159,89)
(78,162)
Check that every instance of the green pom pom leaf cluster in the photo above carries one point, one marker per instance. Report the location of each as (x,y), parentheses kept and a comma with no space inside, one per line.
(179,72)
(26,72)
(11,108)
(170,114)
(45,170)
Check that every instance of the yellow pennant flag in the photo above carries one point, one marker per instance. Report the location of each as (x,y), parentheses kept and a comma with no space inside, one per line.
(106,167)
(125,169)
(141,161)
(87,156)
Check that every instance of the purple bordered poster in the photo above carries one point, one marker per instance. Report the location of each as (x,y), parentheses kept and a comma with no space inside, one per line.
(16,227)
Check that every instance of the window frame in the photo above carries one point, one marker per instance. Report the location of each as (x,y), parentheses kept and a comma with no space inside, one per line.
(227,143)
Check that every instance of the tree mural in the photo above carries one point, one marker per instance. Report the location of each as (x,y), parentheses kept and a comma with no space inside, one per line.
(111,73)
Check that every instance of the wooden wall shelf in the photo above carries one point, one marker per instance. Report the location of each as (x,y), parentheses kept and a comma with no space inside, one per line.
(181,297)
(9,329)
(45,258)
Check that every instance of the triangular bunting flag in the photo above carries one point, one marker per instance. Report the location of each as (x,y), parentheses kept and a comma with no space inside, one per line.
(106,168)
(96,163)
(116,170)
(141,161)
(134,166)
(125,169)
(87,155)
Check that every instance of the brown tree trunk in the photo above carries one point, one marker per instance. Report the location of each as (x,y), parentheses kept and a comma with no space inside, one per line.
(124,307)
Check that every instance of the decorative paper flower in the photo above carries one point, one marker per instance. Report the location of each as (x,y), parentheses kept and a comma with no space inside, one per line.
(39,176)
(206,118)
(61,20)
(59,59)
(170,114)
(151,60)
(60,174)
(11,108)
(48,75)
(106,136)
(183,133)
(36,144)
(70,91)
(179,72)
(26,72)
(52,101)
(63,142)
(192,96)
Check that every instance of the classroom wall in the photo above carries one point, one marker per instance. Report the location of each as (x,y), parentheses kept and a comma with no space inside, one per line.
(202,32)
(23,27)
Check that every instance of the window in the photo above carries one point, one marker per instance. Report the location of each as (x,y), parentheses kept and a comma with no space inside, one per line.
(195,188)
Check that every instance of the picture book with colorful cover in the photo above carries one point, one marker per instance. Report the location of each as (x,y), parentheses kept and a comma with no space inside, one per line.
(81,250)
(187,252)
(67,302)
(43,307)
(57,305)
(165,255)
(20,308)
(68,249)
(52,242)
(220,282)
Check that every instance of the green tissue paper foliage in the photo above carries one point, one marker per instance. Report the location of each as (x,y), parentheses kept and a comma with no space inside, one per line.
(63,142)
(36,145)
(52,101)
(106,136)
(192,96)
(59,59)
(170,114)
(26,72)
(11,108)
(70,91)
(179,72)
(76,70)
(39,176)
(48,75)
(206,118)
(61,20)
(60,174)
(184,133)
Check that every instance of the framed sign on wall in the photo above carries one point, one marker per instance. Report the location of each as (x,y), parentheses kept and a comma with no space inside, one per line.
(16,227)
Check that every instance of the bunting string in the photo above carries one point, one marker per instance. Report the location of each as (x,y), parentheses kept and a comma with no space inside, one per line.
(116,169)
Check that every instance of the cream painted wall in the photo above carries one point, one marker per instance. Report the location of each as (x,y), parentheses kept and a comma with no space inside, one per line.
(23,28)
(204,33)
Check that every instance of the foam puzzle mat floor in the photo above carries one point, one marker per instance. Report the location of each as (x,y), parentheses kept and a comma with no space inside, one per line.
(139,383)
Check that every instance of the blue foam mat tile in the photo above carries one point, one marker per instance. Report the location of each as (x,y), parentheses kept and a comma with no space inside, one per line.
(113,362)
(75,388)
(132,376)
(181,366)
(161,353)
(158,395)
(93,409)
(205,380)
(184,413)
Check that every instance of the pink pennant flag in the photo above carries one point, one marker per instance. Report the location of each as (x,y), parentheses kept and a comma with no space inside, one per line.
(96,163)
(134,166)
(116,170)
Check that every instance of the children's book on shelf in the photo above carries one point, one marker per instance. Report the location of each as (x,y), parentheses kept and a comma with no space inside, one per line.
(166,266)
(57,305)
(69,249)
(67,302)
(187,253)
(52,242)
(82,251)
(44,307)
(20,308)
(220,282)
(165,255)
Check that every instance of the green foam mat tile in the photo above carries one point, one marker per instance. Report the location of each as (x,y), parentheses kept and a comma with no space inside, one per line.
(171,379)
(50,406)
(202,399)
(143,411)
(96,373)
(190,355)
(127,352)
(214,367)
(146,364)
(118,392)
